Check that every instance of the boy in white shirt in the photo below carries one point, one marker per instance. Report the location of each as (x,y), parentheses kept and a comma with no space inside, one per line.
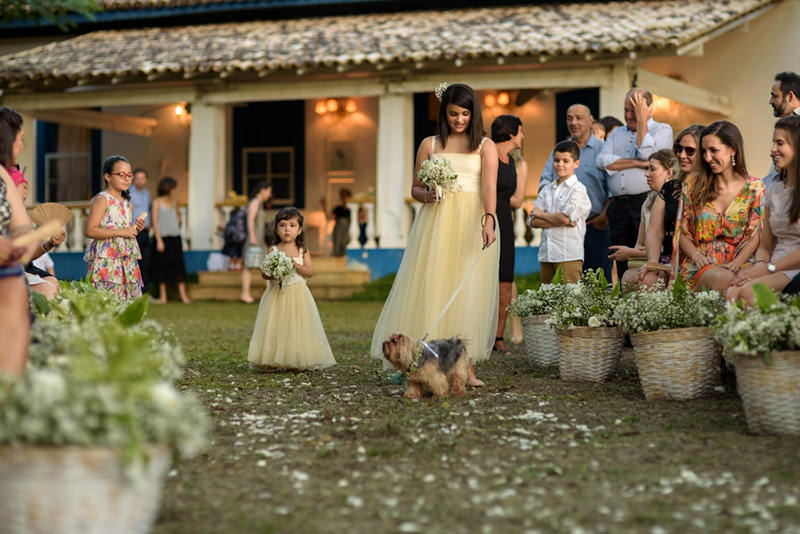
(561,210)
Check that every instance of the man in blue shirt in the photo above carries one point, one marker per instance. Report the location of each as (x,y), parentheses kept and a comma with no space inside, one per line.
(624,158)
(140,199)
(598,237)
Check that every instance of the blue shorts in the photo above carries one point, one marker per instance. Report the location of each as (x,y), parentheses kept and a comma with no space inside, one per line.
(9,271)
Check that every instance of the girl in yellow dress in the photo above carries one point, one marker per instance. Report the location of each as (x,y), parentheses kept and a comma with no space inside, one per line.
(450,234)
(288,332)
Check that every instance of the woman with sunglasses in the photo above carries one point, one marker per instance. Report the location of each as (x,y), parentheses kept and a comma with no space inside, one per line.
(664,212)
(112,255)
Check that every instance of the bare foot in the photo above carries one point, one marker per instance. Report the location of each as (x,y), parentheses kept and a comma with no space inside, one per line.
(185,300)
(474,382)
(247,299)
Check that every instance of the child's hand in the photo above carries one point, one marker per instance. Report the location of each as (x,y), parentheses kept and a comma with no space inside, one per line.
(160,245)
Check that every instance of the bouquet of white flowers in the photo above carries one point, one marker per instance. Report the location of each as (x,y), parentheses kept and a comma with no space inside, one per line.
(587,303)
(772,325)
(538,301)
(660,308)
(438,174)
(277,265)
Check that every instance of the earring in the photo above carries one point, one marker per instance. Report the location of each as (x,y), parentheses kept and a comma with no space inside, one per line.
(733,160)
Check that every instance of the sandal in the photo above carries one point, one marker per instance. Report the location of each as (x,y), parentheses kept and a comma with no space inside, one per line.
(502,349)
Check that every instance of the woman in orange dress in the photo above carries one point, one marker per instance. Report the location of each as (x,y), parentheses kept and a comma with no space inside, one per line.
(721,216)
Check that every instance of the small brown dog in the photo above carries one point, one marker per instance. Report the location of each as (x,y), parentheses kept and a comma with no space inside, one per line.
(424,371)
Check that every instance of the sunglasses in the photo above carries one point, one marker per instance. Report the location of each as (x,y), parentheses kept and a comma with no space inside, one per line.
(690,151)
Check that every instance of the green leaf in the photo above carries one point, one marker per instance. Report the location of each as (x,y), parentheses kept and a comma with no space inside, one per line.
(601,278)
(40,303)
(617,289)
(678,286)
(135,311)
(765,298)
(558,277)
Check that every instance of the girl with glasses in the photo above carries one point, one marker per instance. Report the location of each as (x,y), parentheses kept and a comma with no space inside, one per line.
(112,256)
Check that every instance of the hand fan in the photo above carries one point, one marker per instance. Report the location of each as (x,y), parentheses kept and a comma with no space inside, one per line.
(50,211)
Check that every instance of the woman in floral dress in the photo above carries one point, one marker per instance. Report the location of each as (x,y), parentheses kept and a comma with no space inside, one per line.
(721,220)
(113,255)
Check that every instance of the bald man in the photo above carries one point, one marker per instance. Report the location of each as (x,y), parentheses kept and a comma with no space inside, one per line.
(624,158)
(598,237)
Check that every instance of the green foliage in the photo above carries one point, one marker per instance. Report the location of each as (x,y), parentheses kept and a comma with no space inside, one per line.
(53,11)
(135,311)
(587,303)
(377,290)
(539,301)
(558,277)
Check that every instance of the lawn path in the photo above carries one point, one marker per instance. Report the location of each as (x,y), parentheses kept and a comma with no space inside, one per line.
(341,451)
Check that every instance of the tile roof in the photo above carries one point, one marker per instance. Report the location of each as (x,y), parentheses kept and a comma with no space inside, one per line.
(369,41)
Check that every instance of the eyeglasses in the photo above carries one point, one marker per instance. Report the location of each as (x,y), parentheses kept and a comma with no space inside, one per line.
(690,151)
(122,174)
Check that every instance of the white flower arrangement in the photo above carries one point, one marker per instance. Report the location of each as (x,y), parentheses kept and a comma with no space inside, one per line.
(587,303)
(660,308)
(438,174)
(439,91)
(538,301)
(772,325)
(101,380)
(277,265)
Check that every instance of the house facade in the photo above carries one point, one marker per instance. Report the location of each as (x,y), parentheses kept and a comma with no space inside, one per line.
(317,104)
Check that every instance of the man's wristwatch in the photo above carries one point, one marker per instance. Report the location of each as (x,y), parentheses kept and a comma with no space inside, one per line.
(771,267)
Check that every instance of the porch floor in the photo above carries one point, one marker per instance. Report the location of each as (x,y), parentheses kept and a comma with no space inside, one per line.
(332,280)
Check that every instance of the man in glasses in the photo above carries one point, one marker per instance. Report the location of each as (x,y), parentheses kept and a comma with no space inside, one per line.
(598,237)
(624,158)
(784,97)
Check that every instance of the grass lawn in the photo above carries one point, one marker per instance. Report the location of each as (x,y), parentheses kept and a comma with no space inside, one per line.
(340,450)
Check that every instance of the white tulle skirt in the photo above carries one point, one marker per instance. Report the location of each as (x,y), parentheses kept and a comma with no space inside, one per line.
(444,242)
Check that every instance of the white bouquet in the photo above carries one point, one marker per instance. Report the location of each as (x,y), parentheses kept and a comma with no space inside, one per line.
(438,174)
(277,265)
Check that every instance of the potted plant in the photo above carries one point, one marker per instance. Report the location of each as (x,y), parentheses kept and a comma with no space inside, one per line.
(589,340)
(763,343)
(676,354)
(533,309)
(86,434)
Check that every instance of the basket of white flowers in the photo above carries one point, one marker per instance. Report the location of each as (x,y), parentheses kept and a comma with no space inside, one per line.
(763,343)
(589,340)
(676,354)
(533,309)
(88,432)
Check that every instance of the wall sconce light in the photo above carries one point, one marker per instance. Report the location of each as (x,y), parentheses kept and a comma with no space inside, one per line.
(489,100)
(501,99)
(179,111)
(332,105)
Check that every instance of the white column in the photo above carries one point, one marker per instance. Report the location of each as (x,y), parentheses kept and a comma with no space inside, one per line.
(519,227)
(27,158)
(395,167)
(612,91)
(207,142)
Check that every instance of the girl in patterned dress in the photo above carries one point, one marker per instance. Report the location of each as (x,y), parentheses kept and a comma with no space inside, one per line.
(113,254)
(720,226)
(777,260)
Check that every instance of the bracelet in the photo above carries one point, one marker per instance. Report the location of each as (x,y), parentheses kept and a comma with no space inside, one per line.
(759,261)
(494,220)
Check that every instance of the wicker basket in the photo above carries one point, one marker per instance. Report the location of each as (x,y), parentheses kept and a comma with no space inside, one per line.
(589,353)
(77,490)
(541,340)
(770,392)
(677,364)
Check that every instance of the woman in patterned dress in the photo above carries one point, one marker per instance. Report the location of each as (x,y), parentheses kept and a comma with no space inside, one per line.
(720,225)
(112,256)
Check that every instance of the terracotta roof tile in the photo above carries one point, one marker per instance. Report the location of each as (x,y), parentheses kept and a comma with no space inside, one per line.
(367,40)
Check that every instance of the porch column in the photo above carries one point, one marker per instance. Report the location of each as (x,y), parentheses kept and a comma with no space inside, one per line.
(206,171)
(613,89)
(27,158)
(395,167)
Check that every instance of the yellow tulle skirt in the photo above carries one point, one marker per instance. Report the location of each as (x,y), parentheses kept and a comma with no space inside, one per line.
(288,332)
(443,244)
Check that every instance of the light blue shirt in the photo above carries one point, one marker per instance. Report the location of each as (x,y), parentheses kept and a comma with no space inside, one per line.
(621,144)
(141,202)
(594,179)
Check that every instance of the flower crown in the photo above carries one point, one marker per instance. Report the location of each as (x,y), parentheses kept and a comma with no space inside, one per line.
(440,89)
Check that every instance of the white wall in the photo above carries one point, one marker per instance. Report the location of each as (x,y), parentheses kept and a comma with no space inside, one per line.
(742,64)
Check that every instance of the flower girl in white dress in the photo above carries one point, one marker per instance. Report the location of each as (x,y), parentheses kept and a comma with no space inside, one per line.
(288,332)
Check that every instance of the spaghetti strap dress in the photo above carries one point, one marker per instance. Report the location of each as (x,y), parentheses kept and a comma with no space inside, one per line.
(443,245)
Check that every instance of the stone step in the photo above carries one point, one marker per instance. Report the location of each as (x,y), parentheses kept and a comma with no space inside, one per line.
(321,277)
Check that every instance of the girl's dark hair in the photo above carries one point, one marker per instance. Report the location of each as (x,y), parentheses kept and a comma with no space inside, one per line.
(165,185)
(290,212)
(461,95)
(667,159)
(609,123)
(6,145)
(791,124)
(12,118)
(695,130)
(505,127)
(260,186)
(705,189)
(108,168)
